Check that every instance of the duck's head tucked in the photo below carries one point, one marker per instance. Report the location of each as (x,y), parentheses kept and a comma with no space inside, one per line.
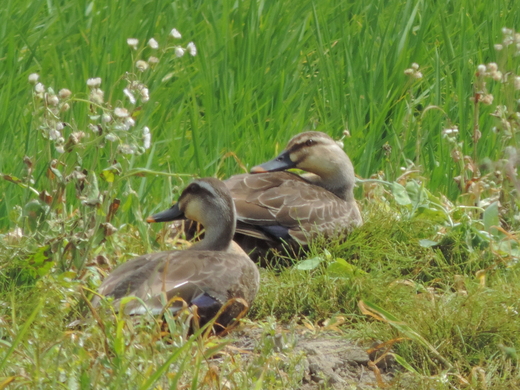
(209,202)
(317,153)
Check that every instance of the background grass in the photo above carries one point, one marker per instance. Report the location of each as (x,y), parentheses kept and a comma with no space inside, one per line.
(265,70)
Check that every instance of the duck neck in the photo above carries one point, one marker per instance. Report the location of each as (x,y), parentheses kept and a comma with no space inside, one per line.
(339,178)
(219,234)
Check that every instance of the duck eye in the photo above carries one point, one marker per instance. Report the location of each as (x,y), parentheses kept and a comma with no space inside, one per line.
(309,142)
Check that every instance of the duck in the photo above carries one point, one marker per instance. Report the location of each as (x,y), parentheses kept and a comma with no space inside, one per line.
(277,208)
(208,275)
(282,211)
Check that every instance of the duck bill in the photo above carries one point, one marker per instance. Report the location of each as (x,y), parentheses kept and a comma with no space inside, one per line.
(280,163)
(173,213)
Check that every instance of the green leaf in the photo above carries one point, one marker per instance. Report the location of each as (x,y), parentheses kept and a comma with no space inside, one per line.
(308,264)
(404,363)
(490,218)
(343,269)
(400,194)
(427,243)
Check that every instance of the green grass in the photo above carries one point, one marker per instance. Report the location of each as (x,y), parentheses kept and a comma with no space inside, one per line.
(429,254)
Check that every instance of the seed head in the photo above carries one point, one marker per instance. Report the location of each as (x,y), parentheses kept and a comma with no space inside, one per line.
(53,100)
(142,65)
(121,112)
(153,60)
(39,88)
(94,82)
(133,42)
(418,75)
(105,118)
(111,137)
(179,51)
(481,69)
(492,66)
(415,66)
(129,95)
(97,96)
(65,107)
(33,78)
(192,49)
(153,43)
(175,34)
(64,93)
(487,99)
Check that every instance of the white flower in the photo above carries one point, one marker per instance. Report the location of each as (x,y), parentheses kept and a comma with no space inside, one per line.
(121,112)
(97,96)
(507,31)
(65,107)
(126,149)
(132,42)
(147,137)
(111,137)
(517,82)
(179,51)
(39,88)
(64,93)
(192,49)
(53,100)
(60,149)
(418,75)
(141,65)
(497,76)
(153,43)
(106,118)
(408,72)
(153,60)
(94,128)
(129,95)
(498,47)
(33,78)
(54,134)
(59,126)
(415,66)
(144,94)
(481,69)
(176,34)
(129,122)
(94,82)
(492,66)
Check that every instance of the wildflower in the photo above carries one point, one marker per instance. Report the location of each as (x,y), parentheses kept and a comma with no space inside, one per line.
(132,42)
(129,122)
(106,118)
(487,99)
(492,66)
(517,82)
(97,96)
(481,69)
(39,88)
(192,49)
(147,137)
(497,76)
(64,93)
(33,78)
(418,75)
(153,43)
(142,65)
(60,149)
(144,94)
(59,126)
(121,112)
(53,100)
(415,66)
(176,34)
(498,47)
(179,51)
(94,82)
(153,60)
(408,71)
(450,132)
(111,137)
(126,149)
(129,95)
(507,31)
(65,107)
(94,128)
(54,134)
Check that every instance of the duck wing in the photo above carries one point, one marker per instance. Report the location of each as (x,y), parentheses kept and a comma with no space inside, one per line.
(207,279)
(284,206)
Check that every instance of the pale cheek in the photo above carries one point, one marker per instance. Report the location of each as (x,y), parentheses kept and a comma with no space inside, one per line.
(194,211)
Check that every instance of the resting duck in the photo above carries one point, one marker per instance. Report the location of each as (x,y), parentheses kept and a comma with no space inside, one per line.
(285,211)
(275,207)
(208,274)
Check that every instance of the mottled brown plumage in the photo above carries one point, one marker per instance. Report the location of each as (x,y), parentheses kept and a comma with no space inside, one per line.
(208,274)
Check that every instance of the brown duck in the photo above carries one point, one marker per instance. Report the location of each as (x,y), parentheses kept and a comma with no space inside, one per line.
(208,274)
